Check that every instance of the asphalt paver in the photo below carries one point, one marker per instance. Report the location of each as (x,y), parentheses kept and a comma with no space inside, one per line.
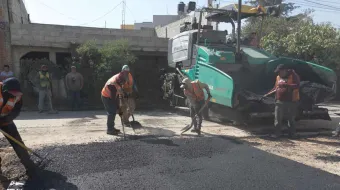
(175,163)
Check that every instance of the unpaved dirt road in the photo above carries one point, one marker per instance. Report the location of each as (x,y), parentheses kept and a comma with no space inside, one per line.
(71,129)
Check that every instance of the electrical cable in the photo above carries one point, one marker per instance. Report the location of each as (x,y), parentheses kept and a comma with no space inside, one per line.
(56,10)
(102,15)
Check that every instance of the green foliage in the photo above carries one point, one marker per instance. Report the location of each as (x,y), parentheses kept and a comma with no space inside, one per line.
(108,59)
(304,41)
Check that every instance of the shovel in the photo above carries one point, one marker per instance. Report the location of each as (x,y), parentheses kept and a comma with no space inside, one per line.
(188,127)
(41,159)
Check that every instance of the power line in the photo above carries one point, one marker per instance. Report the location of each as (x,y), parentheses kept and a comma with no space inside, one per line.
(133,16)
(319,8)
(332,7)
(102,15)
(55,10)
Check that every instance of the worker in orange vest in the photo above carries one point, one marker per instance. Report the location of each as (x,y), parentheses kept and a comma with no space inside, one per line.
(109,95)
(10,108)
(129,103)
(193,90)
(286,98)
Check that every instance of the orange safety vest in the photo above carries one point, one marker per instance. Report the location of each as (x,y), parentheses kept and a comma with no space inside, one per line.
(128,85)
(8,107)
(197,94)
(296,93)
(112,81)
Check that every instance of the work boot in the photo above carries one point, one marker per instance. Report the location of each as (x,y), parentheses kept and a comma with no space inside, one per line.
(194,130)
(335,133)
(112,132)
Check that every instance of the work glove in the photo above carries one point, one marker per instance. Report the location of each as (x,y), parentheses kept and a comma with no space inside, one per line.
(209,95)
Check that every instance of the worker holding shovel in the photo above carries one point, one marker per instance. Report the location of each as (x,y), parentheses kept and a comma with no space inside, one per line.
(193,90)
(11,103)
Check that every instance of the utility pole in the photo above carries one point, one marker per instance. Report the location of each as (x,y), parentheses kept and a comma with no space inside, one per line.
(238,49)
(217,23)
(123,14)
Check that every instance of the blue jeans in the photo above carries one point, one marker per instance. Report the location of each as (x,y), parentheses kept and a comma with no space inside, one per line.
(75,99)
(111,109)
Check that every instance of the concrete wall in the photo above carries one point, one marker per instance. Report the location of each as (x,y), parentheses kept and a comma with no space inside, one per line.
(172,29)
(140,25)
(18,12)
(161,20)
(58,36)
(19,51)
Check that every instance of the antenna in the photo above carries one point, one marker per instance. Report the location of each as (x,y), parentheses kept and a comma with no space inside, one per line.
(123,14)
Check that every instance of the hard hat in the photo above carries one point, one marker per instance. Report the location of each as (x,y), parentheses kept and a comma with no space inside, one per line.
(43,67)
(185,81)
(125,68)
(12,86)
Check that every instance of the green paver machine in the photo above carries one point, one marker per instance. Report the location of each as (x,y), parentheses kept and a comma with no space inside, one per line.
(236,73)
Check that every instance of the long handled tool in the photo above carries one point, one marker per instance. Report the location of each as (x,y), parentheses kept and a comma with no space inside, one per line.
(22,145)
(188,127)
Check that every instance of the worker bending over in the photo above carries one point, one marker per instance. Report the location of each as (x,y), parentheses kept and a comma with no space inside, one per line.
(128,103)
(195,94)
(286,99)
(110,93)
(11,103)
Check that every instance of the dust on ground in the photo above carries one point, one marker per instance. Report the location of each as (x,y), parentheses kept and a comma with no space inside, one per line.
(65,128)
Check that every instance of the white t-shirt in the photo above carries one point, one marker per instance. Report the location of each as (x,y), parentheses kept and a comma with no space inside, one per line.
(6,74)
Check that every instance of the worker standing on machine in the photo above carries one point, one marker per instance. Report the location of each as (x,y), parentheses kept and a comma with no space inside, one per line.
(130,88)
(11,103)
(286,100)
(195,94)
(109,95)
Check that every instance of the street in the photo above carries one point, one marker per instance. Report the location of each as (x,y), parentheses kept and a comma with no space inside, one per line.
(157,157)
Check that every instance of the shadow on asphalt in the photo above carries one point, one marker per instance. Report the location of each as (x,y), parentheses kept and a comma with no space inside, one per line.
(49,180)
(336,144)
(60,115)
(328,157)
(166,142)
(241,140)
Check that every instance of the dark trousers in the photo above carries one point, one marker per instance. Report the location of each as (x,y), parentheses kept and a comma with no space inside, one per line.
(194,109)
(111,109)
(22,154)
(75,99)
(285,112)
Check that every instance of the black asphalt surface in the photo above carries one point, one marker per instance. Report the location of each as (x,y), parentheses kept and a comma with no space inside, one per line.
(182,163)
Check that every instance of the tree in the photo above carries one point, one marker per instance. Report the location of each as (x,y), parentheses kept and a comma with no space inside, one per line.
(305,42)
(108,59)
(101,63)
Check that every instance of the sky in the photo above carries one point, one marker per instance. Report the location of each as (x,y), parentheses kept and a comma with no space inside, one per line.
(96,13)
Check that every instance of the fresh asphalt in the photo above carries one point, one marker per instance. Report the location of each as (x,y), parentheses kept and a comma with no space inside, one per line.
(175,163)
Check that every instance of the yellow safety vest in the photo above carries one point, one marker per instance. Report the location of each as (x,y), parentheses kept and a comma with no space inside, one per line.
(44,79)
